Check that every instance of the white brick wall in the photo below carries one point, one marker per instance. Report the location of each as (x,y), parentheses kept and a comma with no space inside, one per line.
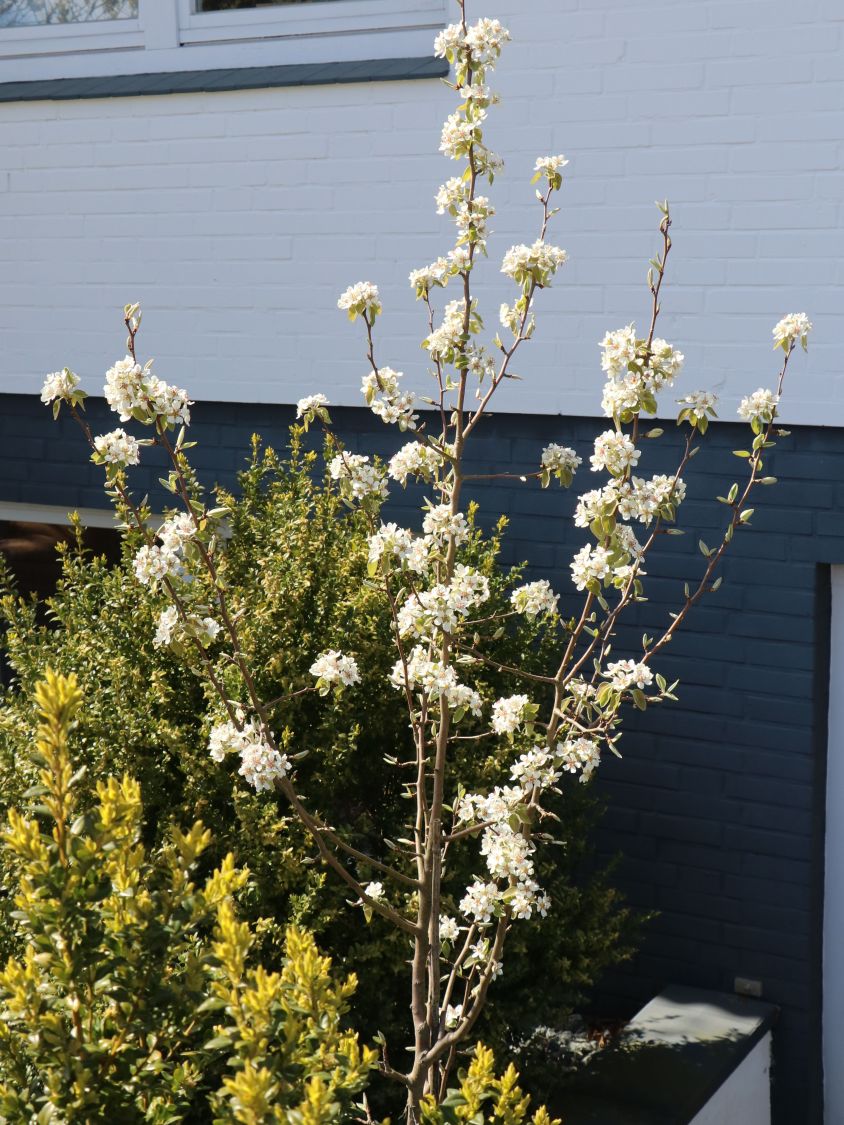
(236,218)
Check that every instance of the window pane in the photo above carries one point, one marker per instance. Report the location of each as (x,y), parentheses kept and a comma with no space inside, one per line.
(28,13)
(228,5)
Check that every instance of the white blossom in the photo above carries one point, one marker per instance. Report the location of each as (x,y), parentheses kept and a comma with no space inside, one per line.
(134,391)
(534,599)
(449,929)
(359,299)
(480,902)
(590,565)
(665,363)
(442,607)
(450,39)
(453,1015)
(578,755)
(333,667)
(416,459)
(313,406)
(535,769)
(124,387)
(791,329)
(437,680)
(702,402)
(262,766)
(624,674)
(399,545)
(614,452)
(153,564)
(760,406)
(117,448)
(170,404)
(485,40)
(375,891)
(447,338)
(440,523)
(176,532)
(537,263)
(358,478)
(508,713)
(550,166)
(385,398)
(459,133)
(59,385)
(507,853)
(619,350)
(171,627)
(426,278)
(559,458)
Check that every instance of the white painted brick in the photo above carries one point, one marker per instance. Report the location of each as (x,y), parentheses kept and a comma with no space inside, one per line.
(237,218)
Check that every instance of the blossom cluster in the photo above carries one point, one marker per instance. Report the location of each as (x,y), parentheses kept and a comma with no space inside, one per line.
(416,459)
(441,609)
(636,372)
(385,398)
(615,452)
(551,168)
(533,265)
(534,599)
(792,329)
(173,629)
(634,499)
(438,681)
(625,674)
(357,478)
(260,764)
(398,546)
(559,461)
(133,391)
(697,407)
(507,849)
(333,668)
(156,563)
(59,386)
(508,714)
(758,407)
(360,299)
(116,448)
(311,407)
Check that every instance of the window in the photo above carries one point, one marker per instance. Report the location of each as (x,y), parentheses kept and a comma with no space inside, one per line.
(228,5)
(44,39)
(29,13)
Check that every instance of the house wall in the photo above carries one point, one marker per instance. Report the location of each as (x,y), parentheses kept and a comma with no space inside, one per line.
(236,218)
(717,808)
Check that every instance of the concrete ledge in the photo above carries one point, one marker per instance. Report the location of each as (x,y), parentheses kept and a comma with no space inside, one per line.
(670,1061)
(216,81)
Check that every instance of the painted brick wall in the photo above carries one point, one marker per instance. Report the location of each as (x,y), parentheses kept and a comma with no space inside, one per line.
(237,217)
(717,805)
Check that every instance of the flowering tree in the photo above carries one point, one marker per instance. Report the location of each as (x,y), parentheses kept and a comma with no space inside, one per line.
(436,600)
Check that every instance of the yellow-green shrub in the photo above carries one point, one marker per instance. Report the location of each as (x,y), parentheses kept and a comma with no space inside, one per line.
(133,998)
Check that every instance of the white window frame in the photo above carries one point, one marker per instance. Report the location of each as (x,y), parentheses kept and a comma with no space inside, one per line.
(328,17)
(66,38)
(169,35)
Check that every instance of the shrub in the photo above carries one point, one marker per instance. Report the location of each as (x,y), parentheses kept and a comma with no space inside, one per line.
(106,1016)
(481,1097)
(296,569)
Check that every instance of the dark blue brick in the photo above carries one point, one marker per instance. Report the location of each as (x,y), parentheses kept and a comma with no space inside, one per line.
(714,805)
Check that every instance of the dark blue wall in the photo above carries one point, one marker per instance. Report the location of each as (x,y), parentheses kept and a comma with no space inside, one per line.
(718,803)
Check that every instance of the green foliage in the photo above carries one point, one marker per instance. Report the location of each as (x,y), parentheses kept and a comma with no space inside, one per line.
(106,1015)
(481,1097)
(295,568)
